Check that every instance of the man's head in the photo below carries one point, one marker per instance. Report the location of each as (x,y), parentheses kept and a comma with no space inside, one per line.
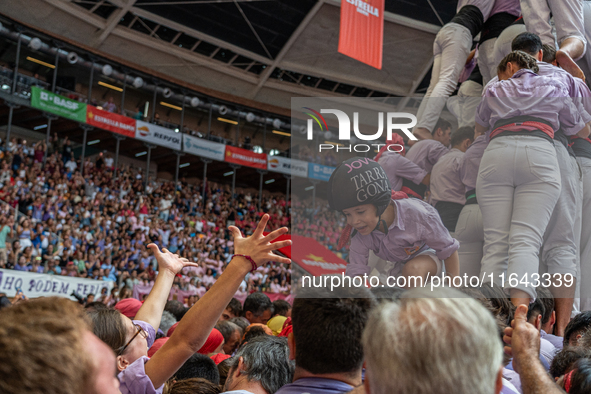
(462,138)
(424,345)
(327,333)
(564,360)
(177,309)
(549,316)
(47,347)
(442,132)
(234,309)
(529,43)
(258,308)
(231,334)
(199,366)
(535,313)
(282,308)
(264,361)
(576,328)
(549,54)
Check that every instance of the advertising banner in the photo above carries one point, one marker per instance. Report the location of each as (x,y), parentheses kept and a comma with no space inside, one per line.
(109,121)
(361,34)
(158,135)
(58,105)
(246,157)
(318,171)
(44,285)
(200,147)
(288,166)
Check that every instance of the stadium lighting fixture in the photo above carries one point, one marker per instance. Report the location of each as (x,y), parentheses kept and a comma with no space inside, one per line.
(309,188)
(227,121)
(141,153)
(228,173)
(41,126)
(93,142)
(171,106)
(184,165)
(41,62)
(281,133)
(269,181)
(110,86)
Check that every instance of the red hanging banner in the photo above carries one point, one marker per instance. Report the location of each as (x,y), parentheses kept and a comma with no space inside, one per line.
(362,31)
(246,157)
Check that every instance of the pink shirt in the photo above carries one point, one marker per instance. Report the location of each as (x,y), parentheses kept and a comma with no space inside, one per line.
(398,167)
(417,227)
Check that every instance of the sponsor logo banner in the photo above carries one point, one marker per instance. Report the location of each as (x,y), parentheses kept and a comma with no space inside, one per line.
(158,135)
(361,34)
(287,166)
(58,105)
(318,171)
(200,147)
(44,285)
(246,158)
(109,121)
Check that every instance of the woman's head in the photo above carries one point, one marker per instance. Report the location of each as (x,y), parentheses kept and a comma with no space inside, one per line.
(125,338)
(514,62)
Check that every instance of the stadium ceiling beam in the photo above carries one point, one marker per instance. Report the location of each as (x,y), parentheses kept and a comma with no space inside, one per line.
(401,20)
(192,32)
(188,59)
(113,21)
(78,12)
(292,39)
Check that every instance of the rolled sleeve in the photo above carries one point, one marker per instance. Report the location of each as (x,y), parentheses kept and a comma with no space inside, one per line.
(133,379)
(149,329)
(437,237)
(409,170)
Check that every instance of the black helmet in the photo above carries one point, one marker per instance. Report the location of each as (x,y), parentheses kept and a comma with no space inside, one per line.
(359,181)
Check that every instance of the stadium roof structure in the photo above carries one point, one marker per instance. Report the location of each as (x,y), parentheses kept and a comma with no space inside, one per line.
(266,51)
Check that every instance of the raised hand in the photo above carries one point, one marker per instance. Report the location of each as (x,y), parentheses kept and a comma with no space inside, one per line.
(169,261)
(523,340)
(259,247)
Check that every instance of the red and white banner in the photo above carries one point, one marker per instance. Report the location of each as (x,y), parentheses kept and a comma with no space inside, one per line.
(362,31)
(246,157)
(314,257)
(109,121)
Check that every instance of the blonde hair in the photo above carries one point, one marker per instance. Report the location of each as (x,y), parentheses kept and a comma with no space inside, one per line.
(521,59)
(429,345)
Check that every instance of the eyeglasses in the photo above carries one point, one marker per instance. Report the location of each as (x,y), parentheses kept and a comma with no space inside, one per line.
(139,331)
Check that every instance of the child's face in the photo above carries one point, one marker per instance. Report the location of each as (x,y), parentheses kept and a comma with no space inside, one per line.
(362,218)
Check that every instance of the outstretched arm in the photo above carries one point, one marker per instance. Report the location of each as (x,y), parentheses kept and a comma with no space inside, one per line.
(168,266)
(194,328)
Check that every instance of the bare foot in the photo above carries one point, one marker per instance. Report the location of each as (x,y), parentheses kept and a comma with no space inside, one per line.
(568,64)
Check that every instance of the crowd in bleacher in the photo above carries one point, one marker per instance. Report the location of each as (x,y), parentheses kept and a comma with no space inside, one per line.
(96,225)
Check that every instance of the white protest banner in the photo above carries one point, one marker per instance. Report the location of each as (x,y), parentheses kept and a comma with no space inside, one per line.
(44,285)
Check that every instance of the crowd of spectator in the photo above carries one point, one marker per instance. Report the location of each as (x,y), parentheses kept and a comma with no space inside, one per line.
(96,225)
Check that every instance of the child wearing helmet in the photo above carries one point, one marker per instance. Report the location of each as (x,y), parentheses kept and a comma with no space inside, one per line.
(406,231)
